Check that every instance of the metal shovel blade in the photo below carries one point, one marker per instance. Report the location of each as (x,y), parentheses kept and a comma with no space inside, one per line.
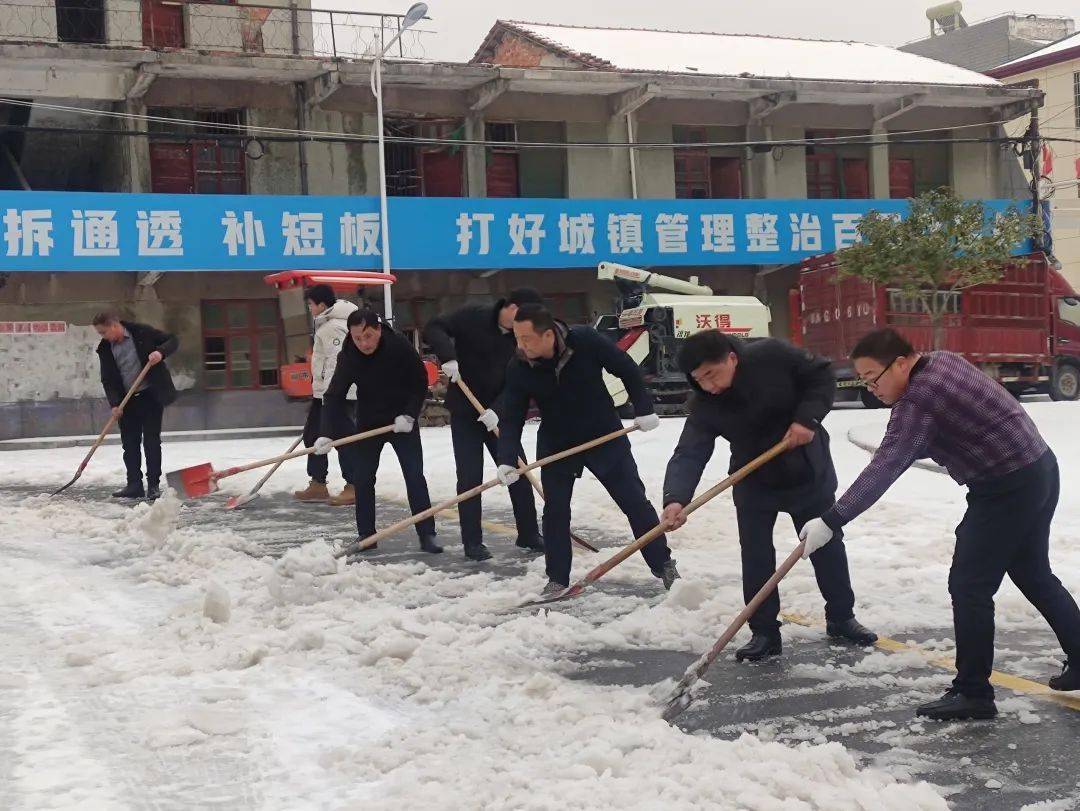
(193,482)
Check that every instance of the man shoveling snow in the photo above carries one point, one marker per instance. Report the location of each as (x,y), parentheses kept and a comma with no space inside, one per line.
(946,409)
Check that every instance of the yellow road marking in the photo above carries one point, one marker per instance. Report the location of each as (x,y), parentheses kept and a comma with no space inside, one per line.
(997,678)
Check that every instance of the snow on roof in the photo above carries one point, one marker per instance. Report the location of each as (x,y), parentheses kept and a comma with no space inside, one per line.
(1040,56)
(751,55)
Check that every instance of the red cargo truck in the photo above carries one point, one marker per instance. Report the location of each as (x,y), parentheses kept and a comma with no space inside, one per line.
(1023,330)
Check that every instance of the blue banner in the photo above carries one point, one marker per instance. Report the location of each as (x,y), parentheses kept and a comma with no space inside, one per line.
(71,231)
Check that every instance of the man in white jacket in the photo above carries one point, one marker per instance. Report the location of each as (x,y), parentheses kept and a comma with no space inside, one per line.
(330,316)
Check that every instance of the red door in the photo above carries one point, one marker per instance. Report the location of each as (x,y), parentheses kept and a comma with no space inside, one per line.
(163,24)
(502,175)
(726,178)
(901,178)
(442,173)
(856,178)
(821,180)
(172,169)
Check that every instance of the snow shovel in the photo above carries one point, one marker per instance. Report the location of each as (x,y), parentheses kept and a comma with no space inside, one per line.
(201,480)
(104,431)
(371,540)
(577,588)
(252,494)
(532,479)
(681,697)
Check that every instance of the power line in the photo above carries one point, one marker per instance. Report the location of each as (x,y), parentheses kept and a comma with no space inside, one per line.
(250,131)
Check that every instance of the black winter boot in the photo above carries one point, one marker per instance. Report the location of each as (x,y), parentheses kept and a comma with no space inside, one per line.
(133,490)
(955,706)
(669,574)
(760,646)
(427,544)
(851,631)
(153,491)
(1069,678)
(477,552)
(532,543)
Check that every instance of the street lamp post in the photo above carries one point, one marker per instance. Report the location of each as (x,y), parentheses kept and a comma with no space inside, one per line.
(416,12)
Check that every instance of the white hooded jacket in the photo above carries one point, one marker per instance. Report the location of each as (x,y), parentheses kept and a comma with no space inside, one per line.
(330,332)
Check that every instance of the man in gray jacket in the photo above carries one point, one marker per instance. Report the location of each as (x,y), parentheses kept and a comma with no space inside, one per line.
(330,316)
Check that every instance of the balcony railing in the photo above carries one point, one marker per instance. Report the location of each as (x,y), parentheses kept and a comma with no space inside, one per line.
(279,30)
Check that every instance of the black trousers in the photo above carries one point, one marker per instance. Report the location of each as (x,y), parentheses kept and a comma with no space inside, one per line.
(756,513)
(362,461)
(614,466)
(140,425)
(318,465)
(470,438)
(1006,530)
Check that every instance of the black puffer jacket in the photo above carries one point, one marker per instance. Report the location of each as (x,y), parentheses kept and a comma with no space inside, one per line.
(473,338)
(569,389)
(775,385)
(147,339)
(389,382)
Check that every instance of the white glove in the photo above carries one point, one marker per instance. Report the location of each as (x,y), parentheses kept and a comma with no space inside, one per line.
(403,423)
(450,369)
(507,475)
(323,445)
(647,422)
(815,535)
(489,418)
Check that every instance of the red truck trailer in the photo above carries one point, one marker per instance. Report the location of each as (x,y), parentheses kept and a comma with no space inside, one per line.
(1023,330)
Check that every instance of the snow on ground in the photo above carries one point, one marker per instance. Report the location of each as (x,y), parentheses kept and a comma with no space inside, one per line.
(148,663)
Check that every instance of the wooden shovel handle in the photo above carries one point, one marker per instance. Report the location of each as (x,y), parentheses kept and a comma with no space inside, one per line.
(337,443)
(480,410)
(654,533)
(371,540)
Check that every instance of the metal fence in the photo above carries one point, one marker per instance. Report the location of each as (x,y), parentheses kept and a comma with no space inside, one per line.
(199,25)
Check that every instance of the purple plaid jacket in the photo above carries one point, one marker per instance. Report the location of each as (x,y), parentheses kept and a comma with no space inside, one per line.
(957,416)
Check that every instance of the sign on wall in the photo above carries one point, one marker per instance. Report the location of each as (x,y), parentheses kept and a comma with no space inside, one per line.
(71,231)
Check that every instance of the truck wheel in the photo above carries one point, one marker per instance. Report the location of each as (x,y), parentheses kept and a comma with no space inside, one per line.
(1066,383)
(869,400)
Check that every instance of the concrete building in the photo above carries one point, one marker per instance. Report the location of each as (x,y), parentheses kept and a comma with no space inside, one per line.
(1055,70)
(128,102)
(985,44)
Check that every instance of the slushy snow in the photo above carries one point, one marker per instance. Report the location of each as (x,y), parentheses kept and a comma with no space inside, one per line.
(140,657)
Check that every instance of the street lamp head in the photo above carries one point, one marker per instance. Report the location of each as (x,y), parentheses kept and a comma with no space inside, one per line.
(416,12)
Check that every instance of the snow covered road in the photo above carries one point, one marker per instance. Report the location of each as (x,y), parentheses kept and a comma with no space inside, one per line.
(153,657)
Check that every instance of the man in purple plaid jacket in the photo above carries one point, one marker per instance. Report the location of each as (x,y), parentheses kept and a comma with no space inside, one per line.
(946,409)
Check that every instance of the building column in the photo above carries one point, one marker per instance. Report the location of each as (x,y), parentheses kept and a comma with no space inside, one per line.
(879,165)
(136,150)
(475,158)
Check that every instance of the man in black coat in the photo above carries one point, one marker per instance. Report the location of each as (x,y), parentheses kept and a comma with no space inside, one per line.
(561,368)
(753,395)
(385,367)
(474,345)
(125,348)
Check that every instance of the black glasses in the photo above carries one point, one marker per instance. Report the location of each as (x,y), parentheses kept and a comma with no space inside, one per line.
(873,384)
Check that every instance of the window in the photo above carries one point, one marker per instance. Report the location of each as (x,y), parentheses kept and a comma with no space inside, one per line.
(1076,98)
(197,166)
(503,171)
(692,169)
(241,344)
(424,171)
(1069,310)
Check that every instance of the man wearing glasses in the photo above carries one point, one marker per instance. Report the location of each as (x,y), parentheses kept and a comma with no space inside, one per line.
(755,394)
(946,409)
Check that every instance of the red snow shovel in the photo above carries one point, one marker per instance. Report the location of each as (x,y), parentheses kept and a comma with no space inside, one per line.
(104,431)
(201,480)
